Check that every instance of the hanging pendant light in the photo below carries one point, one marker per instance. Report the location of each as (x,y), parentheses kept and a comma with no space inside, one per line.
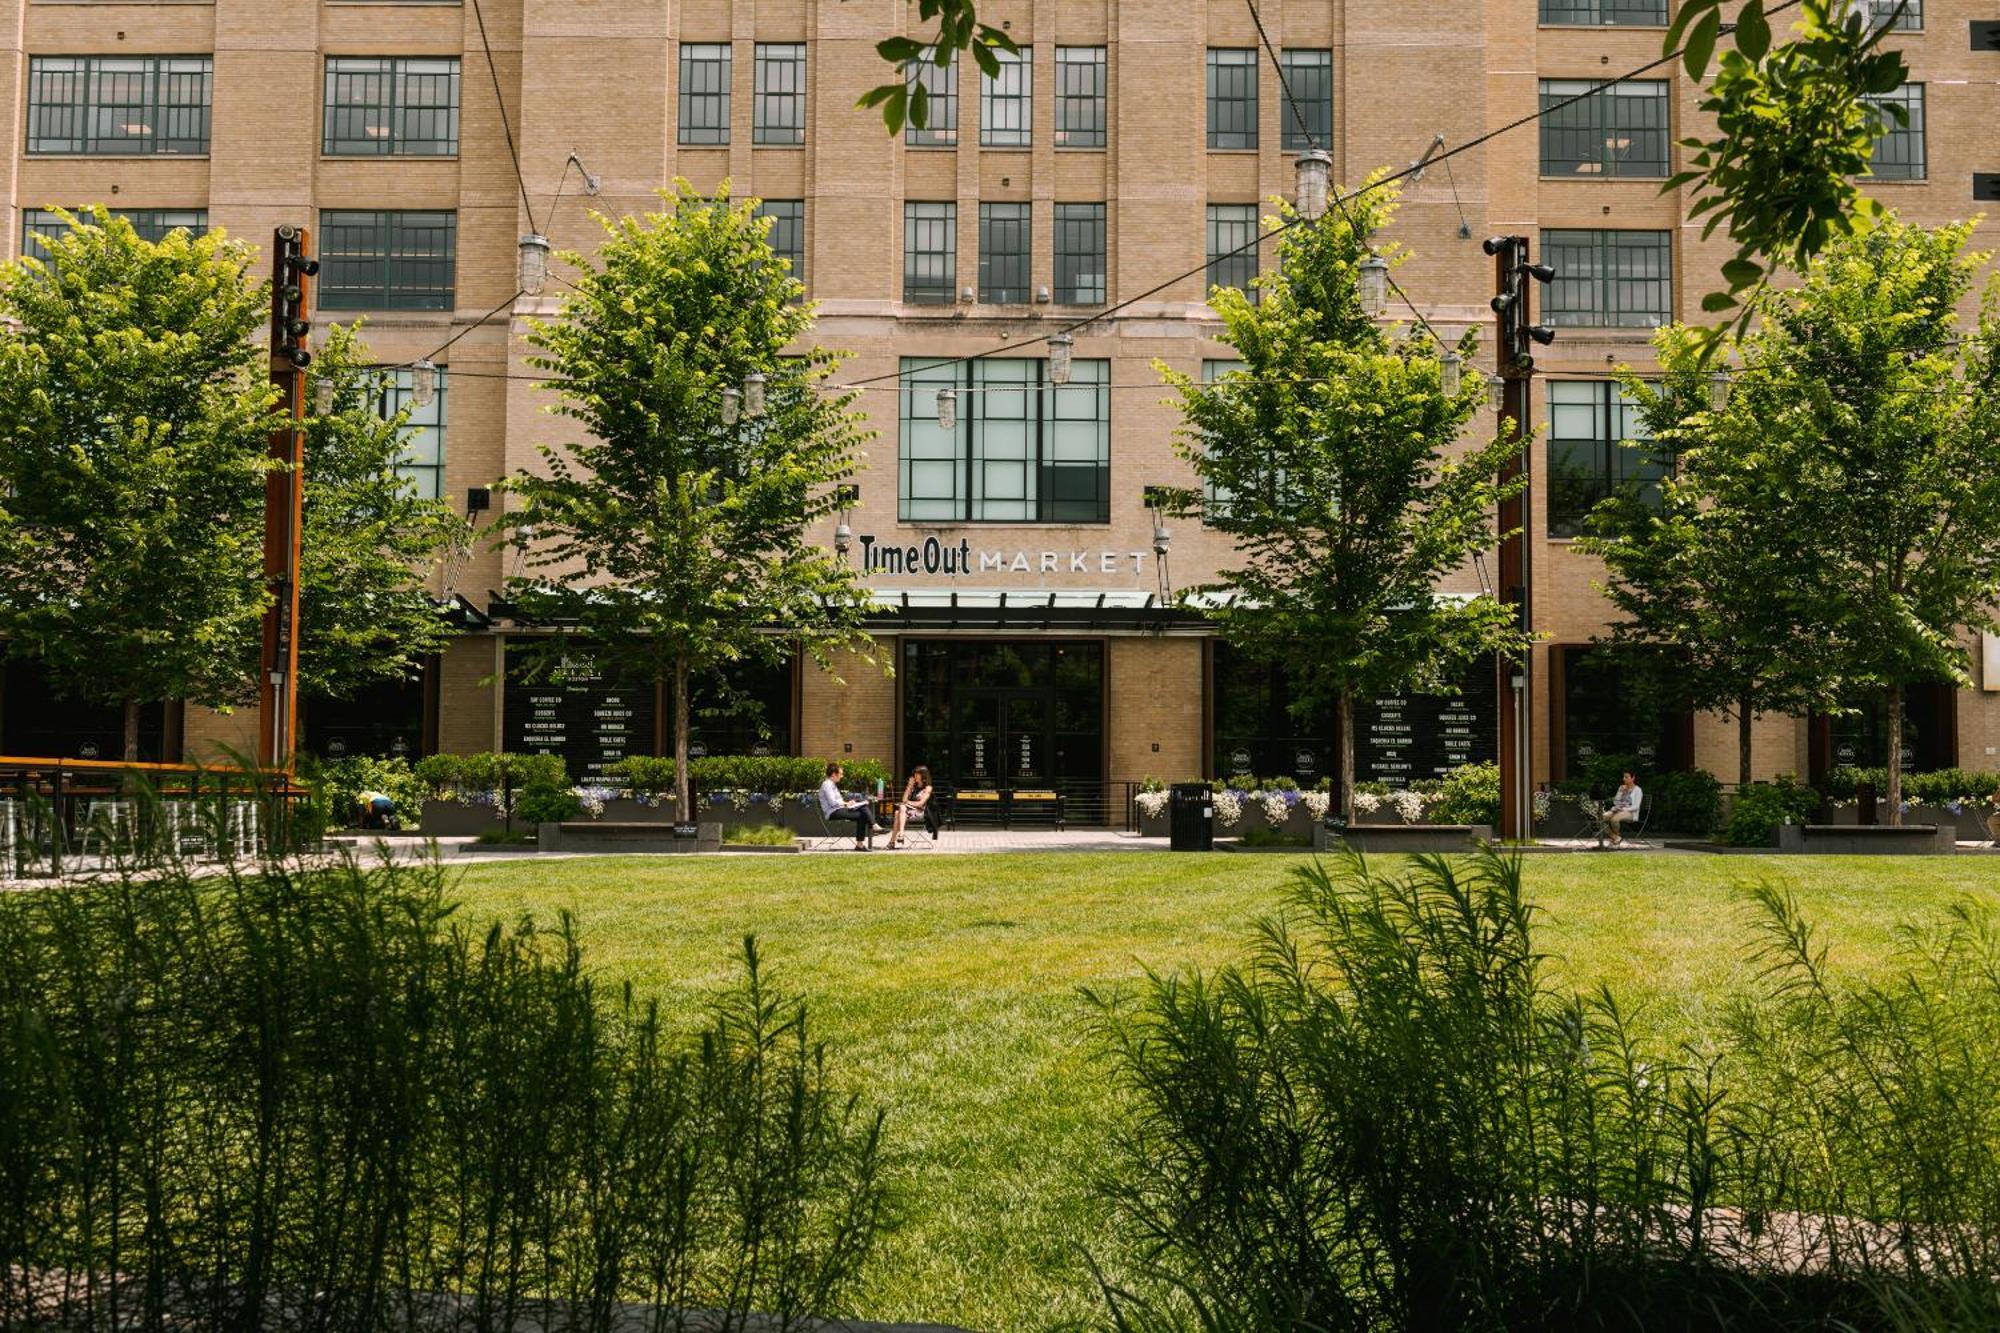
(1312,176)
(323,395)
(947,408)
(732,405)
(753,394)
(1718,390)
(1496,393)
(1060,347)
(1373,285)
(424,383)
(534,263)
(1451,373)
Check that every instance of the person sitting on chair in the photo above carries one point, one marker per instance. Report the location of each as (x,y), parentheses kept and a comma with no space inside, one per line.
(833,805)
(916,796)
(1624,808)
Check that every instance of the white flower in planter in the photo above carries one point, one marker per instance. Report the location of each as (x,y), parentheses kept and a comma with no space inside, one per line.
(1316,804)
(1408,805)
(1276,808)
(1366,803)
(1228,808)
(1152,804)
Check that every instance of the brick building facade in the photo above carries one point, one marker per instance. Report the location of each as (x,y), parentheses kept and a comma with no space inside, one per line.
(1130,143)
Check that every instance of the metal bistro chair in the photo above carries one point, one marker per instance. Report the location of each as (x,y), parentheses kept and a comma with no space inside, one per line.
(1634,830)
(829,835)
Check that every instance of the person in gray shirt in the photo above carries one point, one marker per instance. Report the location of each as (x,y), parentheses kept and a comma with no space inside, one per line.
(834,805)
(1624,809)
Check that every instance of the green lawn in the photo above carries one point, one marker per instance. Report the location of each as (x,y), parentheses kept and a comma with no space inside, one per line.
(949,987)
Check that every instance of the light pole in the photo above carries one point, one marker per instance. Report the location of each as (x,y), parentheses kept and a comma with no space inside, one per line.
(292,271)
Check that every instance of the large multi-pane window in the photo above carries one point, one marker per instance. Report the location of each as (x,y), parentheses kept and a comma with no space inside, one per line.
(1081,110)
(380,260)
(1603,13)
(788,231)
(1887,14)
(391,106)
(704,97)
(1006,101)
(778,116)
(1617,131)
(938,85)
(1004,251)
(1080,257)
(1232,258)
(1899,153)
(422,459)
(152,224)
(119,104)
(1022,450)
(1232,97)
(1609,279)
(1589,423)
(930,252)
(1306,119)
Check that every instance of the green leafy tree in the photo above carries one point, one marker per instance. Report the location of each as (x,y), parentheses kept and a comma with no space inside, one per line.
(135,411)
(366,612)
(1880,421)
(672,539)
(1716,584)
(1332,459)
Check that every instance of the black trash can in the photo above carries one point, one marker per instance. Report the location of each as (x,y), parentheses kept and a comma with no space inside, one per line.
(1191,817)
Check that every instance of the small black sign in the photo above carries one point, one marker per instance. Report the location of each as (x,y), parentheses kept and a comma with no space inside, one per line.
(687,830)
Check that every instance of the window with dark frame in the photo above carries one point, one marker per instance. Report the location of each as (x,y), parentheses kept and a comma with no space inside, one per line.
(1620,131)
(1021,451)
(1308,94)
(940,85)
(704,93)
(1899,154)
(778,115)
(1232,97)
(82,105)
(1080,255)
(1884,14)
(930,253)
(788,231)
(1232,259)
(386,260)
(1589,461)
(1608,278)
(1216,497)
(1006,101)
(1004,252)
(1082,101)
(391,106)
(152,224)
(422,459)
(1605,13)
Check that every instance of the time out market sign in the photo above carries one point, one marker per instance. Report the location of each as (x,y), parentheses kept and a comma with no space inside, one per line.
(944,559)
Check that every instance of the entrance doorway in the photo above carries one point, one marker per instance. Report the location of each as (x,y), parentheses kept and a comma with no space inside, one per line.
(1006,717)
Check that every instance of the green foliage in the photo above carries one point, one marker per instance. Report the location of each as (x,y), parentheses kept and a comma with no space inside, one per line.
(758,835)
(643,774)
(542,803)
(1934,788)
(329,1095)
(337,783)
(449,777)
(958,30)
(778,775)
(1792,134)
(1387,1117)
(1332,463)
(1759,809)
(673,542)
(365,612)
(1471,796)
(135,411)
(1689,802)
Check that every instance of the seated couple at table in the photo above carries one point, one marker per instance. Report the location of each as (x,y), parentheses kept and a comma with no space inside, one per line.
(835,806)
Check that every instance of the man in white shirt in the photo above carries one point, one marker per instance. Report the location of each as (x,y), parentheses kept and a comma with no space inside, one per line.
(1624,808)
(833,805)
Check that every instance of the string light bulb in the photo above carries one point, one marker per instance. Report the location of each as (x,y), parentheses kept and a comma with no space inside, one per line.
(1312,177)
(534,263)
(947,409)
(1373,284)
(1451,373)
(323,395)
(424,383)
(732,405)
(753,394)
(1718,390)
(1496,393)
(1061,345)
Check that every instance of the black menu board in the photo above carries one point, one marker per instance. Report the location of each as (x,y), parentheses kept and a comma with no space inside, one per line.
(572,708)
(1403,737)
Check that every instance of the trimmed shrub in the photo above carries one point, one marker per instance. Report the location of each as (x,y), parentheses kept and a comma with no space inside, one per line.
(336,786)
(1471,795)
(1688,802)
(449,777)
(1761,807)
(1941,787)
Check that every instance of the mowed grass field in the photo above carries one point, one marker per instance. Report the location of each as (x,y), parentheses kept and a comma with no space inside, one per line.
(949,987)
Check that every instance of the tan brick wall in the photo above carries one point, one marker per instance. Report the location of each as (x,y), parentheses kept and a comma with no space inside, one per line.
(850,713)
(469,708)
(599,77)
(1154,720)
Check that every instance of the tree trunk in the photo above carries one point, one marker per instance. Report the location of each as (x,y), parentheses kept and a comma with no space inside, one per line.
(1744,720)
(1347,755)
(1893,701)
(683,796)
(131,731)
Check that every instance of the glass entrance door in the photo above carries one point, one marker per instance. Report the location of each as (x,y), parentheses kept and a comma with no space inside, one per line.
(1006,716)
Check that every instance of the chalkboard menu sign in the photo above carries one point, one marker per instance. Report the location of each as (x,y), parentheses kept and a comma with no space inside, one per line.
(572,708)
(1401,738)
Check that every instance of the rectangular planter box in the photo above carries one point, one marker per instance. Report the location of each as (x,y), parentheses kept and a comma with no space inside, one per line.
(1969,823)
(611,839)
(1406,837)
(454,819)
(1861,840)
(625,810)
